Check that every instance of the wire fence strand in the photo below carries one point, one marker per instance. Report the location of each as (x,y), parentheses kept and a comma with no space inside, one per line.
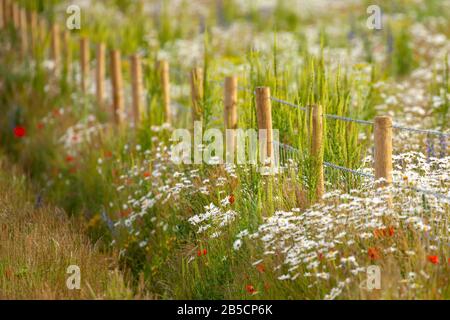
(289,104)
(424,191)
(424,131)
(355,172)
(349,119)
(370,176)
(364,122)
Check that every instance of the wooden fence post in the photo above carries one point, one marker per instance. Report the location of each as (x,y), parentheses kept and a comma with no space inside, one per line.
(383,149)
(117,86)
(317,150)
(197,94)
(67,52)
(230,115)
(6,13)
(264,118)
(56,46)
(23,32)
(42,26)
(15,15)
(5,9)
(84,63)
(7,16)
(100,74)
(2,14)
(137,88)
(33,30)
(163,67)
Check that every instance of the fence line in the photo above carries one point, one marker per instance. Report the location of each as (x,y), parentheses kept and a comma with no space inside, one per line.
(367,175)
(365,122)
(327,164)
(424,131)
(348,119)
(329,116)
(179,73)
(355,172)
(383,133)
(289,104)
(429,192)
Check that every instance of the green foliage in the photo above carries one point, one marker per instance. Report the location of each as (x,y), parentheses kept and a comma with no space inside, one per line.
(403,58)
(441,90)
(84,187)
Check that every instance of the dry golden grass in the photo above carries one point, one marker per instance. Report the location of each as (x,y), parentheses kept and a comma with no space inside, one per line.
(37,246)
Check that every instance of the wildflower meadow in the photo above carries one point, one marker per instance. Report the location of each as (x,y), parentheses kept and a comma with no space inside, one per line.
(225,149)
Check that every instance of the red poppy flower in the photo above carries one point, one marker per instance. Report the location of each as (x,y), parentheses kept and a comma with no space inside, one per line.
(108,154)
(231,199)
(250,289)
(69,158)
(373,253)
(19,132)
(147,174)
(40,126)
(379,233)
(202,252)
(391,231)
(433,259)
(260,267)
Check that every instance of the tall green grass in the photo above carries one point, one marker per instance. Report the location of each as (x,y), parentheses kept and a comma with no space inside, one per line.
(340,92)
